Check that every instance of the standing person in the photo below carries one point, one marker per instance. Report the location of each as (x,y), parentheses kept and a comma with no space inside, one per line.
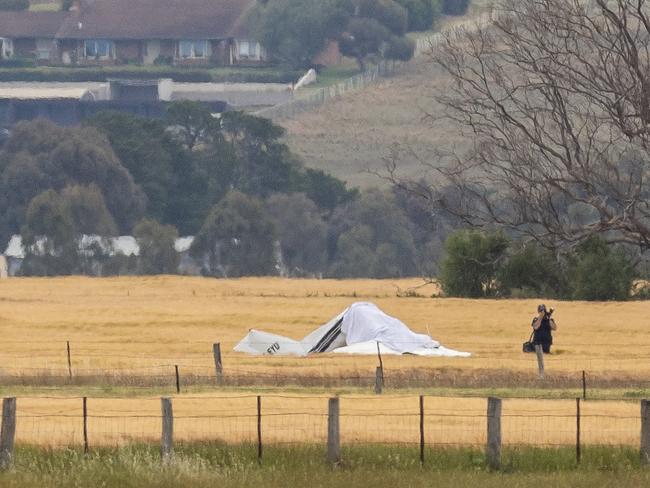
(543,324)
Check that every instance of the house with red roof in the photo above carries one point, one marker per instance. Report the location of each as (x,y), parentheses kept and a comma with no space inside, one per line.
(146,32)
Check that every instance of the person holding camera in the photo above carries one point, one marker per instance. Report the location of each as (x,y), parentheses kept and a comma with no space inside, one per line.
(543,324)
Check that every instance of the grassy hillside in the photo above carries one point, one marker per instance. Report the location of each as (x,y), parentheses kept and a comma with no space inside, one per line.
(354,134)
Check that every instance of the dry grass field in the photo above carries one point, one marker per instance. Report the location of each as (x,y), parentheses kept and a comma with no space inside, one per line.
(288,419)
(145,322)
(134,322)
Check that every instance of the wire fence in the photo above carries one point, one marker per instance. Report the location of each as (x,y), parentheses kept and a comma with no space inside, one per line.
(487,368)
(275,420)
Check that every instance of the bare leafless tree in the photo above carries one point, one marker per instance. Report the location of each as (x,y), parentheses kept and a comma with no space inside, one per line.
(556,95)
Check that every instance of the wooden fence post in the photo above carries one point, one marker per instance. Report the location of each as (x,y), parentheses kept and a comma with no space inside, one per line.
(218,365)
(7,432)
(540,360)
(645,432)
(167,439)
(69,360)
(379,380)
(584,385)
(85,414)
(178,379)
(493,450)
(333,432)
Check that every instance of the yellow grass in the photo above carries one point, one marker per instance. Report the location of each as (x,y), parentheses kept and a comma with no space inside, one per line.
(147,322)
(232,418)
(150,322)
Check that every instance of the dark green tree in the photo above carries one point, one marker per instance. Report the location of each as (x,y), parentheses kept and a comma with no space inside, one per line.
(373,225)
(455,7)
(355,254)
(65,232)
(48,237)
(531,270)
(421,13)
(237,238)
(87,210)
(302,233)
(157,252)
(364,37)
(326,191)
(471,262)
(598,271)
(40,156)
(192,123)
(264,165)
(368,39)
(388,13)
(295,31)
(147,150)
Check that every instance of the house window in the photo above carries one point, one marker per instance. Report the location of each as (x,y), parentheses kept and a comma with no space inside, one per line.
(6,48)
(249,50)
(98,48)
(43,48)
(244,49)
(193,49)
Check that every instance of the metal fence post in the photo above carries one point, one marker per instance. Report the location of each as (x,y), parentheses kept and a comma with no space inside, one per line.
(85,426)
(259,429)
(493,449)
(421,429)
(8,432)
(578,453)
(333,432)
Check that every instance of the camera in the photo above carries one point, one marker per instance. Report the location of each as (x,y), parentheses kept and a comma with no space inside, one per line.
(548,314)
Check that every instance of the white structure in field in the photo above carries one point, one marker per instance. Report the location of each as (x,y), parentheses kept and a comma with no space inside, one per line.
(359,329)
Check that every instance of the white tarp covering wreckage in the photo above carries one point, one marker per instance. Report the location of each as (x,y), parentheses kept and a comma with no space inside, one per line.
(359,329)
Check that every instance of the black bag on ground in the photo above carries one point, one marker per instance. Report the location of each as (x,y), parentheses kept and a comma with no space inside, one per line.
(529,346)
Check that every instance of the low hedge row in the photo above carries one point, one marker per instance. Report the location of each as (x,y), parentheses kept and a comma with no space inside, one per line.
(179,75)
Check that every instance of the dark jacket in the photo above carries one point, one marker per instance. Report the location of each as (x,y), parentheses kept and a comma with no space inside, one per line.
(543,334)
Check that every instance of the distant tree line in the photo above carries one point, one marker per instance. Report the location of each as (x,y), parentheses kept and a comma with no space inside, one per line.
(252,205)
(488,264)
(296,31)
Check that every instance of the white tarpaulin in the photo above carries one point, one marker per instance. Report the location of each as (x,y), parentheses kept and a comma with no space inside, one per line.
(357,330)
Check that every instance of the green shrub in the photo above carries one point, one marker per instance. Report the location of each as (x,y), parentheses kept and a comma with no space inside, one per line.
(400,48)
(17,63)
(14,4)
(599,272)
(471,262)
(163,60)
(532,271)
